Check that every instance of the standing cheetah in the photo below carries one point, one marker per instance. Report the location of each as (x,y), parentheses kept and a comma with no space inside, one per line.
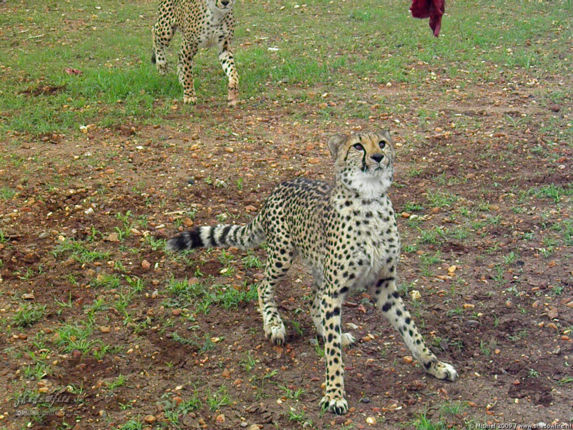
(348,236)
(203,23)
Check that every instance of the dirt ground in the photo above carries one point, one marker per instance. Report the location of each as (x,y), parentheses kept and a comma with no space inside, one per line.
(483,196)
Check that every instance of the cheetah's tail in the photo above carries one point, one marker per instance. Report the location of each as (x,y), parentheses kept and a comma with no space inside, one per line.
(224,235)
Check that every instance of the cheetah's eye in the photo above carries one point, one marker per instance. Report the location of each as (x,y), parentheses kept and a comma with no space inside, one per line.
(359,147)
(382,144)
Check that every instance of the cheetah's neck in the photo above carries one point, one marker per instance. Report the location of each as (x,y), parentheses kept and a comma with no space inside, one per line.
(365,184)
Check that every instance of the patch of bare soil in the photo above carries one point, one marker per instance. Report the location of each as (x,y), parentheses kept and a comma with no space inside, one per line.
(484,212)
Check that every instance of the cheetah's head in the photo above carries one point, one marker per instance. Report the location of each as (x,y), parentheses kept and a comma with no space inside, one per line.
(221,5)
(364,161)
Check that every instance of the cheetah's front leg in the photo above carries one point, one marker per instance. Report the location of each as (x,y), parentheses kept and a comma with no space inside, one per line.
(315,312)
(185,70)
(228,64)
(390,302)
(331,309)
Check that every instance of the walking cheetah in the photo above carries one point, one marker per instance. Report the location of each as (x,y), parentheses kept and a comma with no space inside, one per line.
(347,234)
(203,23)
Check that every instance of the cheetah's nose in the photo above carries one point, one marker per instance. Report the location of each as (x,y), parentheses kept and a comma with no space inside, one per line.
(377,157)
(224,2)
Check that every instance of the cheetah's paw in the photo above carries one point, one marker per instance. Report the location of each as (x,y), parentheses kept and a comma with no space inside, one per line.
(162,68)
(189,100)
(443,370)
(348,339)
(276,332)
(336,405)
(233,97)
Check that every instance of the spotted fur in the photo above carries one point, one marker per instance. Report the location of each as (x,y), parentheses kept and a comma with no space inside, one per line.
(203,23)
(348,236)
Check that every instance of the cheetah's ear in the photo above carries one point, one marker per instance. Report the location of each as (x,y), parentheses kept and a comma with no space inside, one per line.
(335,142)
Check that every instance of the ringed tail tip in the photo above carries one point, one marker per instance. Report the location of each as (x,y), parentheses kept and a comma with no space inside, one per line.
(186,240)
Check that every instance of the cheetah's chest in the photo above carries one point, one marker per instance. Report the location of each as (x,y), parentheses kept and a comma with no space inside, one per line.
(210,37)
(376,239)
(213,31)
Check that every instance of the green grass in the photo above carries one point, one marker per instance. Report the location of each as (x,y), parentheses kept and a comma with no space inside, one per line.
(433,236)
(117,383)
(111,44)
(174,411)
(79,251)
(216,400)
(202,296)
(131,425)
(248,363)
(7,193)
(458,233)
(427,261)
(441,199)
(106,280)
(37,371)
(299,417)
(422,422)
(183,291)
(292,394)
(229,297)
(452,408)
(154,243)
(252,261)
(412,207)
(28,315)
(202,345)
(553,192)
(80,337)
(192,404)
(98,305)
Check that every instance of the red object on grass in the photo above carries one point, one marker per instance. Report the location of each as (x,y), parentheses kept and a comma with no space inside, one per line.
(433,9)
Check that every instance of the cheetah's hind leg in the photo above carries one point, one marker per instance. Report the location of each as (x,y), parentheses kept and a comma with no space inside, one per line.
(272,323)
(278,262)
(162,33)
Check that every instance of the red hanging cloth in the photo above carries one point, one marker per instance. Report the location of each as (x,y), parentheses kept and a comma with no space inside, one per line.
(433,9)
